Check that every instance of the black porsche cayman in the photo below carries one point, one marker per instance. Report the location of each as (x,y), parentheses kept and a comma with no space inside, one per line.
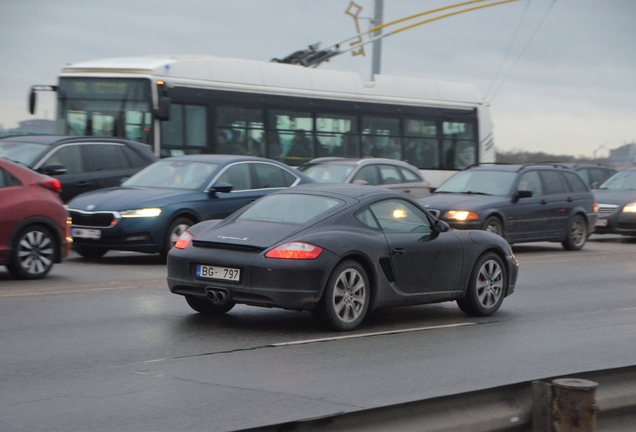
(339,251)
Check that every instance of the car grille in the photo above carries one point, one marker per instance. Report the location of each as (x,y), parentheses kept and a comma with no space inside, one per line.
(92,219)
(606,209)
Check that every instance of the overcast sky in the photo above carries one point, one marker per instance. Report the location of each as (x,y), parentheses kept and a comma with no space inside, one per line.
(560,76)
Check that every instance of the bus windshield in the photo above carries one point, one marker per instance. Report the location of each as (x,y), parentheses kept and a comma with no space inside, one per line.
(105,107)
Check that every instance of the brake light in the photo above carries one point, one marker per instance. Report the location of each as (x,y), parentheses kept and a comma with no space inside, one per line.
(595,207)
(51,184)
(184,240)
(295,250)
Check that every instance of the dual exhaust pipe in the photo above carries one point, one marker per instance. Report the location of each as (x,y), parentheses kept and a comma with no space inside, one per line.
(217,295)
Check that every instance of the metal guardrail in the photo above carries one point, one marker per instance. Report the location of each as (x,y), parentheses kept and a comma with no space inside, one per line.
(523,407)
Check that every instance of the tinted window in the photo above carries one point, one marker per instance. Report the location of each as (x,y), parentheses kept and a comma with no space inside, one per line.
(366,217)
(135,158)
(69,156)
(102,157)
(552,182)
(390,174)
(368,174)
(271,176)
(575,182)
(409,175)
(289,208)
(400,216)
(3,180)
(531,181)
(238,175)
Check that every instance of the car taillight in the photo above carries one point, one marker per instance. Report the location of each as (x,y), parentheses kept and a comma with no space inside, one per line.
(51,184)
(295,250)
(184,240)
(595,207)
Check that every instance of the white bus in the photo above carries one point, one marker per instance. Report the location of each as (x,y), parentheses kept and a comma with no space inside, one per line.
(204,104)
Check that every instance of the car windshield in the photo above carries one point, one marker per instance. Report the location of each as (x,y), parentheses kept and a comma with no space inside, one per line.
(24,152)
(289,208)
(169,174)
(479,182)
(624,180)
(327,173)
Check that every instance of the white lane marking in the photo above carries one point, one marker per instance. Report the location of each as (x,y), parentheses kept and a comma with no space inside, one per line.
(388,332)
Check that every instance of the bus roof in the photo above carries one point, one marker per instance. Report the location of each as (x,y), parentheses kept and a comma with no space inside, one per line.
(275,78)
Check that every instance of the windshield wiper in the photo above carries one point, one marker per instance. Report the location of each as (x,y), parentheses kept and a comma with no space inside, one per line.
(475,193)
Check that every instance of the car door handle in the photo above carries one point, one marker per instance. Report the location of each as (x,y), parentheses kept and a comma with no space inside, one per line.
(543,201)
(570,199)
(83,184)
(398,251)
(407,190)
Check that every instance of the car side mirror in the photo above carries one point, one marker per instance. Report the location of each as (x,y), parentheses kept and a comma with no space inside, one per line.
(595,185)
(221,187)
(523,194)
(53,169)
(440,226)
(433,189)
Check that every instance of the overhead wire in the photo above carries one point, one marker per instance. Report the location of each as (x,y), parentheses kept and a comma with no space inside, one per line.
(509,49)
(545,16)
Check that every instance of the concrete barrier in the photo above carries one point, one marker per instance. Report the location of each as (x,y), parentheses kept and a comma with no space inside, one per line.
(521,407)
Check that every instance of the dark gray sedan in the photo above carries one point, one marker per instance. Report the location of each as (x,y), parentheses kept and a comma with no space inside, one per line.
(616,199)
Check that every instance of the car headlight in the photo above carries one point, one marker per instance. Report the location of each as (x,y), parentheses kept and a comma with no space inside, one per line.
(146,212)
(460,215)
(630,208)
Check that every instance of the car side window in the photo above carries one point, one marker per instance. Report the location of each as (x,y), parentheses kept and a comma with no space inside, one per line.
(410,176)
(584,175)
(271,176)
(3,178)
(238,175)
(575,182)
(552,182)
(389,174)
(136,160)
(103,157)
(69,156)
(399,216)
(366,217)
(531,181)
(368,174)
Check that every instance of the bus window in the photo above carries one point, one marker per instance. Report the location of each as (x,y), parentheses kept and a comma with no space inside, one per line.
(421,146)
(333,131)
(295,133)
(185,132)
(459,147)
(246,131)
(380,136)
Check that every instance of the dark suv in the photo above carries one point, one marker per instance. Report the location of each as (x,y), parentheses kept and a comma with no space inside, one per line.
(522,203)
(81,164)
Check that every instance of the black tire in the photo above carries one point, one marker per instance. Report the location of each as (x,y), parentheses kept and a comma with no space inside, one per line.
(346,297)
(486,288)
(206,307)
(33,253)
(493,224)
(175,229)
(577,233)
(90,252)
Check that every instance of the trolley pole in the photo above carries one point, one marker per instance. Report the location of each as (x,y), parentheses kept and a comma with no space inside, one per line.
(377,44)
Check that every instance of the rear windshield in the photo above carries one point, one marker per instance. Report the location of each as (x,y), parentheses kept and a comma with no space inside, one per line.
(289,208)
(327,173)
(24,152)
(479,182)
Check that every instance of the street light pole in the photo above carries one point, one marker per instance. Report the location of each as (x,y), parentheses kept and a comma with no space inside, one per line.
(377,44)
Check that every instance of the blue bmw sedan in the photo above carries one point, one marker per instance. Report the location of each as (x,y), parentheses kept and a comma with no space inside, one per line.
(151,209)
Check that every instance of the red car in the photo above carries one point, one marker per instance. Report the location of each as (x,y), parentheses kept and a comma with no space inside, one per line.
(34,228)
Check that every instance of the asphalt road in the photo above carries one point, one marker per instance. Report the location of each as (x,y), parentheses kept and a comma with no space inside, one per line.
(104,346)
